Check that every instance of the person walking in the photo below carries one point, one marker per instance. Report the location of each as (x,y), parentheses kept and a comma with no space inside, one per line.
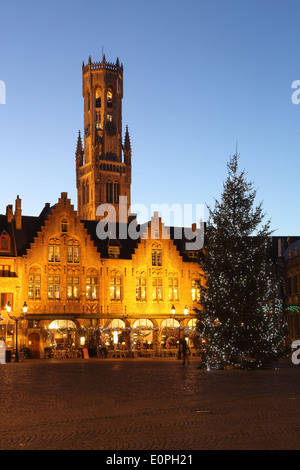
(185,352)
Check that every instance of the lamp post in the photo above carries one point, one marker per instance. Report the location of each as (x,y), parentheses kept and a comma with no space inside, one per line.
(16,319)
(173,311)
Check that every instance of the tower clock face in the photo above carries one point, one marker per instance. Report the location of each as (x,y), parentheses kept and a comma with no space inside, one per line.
(87,131)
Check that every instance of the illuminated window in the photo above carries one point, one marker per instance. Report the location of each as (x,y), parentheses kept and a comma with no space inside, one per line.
(109,117)
(34,286)
(98,98)
(54,287)
(157,289)
(141,288)
(115,288)
(98,120)
(156,255)
(5,298)
(114,251)
(173,289)
(109,98)
(73,254)
(92,288)
(73,287)
(195,290)
(54,253)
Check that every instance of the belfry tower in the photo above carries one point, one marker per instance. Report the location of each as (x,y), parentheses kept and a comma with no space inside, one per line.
(103,165)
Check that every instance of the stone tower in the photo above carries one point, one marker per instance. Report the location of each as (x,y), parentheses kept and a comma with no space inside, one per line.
(103,164)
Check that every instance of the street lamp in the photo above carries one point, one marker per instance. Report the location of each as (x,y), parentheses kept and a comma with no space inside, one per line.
(16,319)
(185,311)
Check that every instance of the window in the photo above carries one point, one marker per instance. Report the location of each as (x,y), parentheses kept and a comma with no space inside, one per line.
(64,226)
(156,256)
(114,251)
(141,288)
(196,290)
(4,271)
(4,242)
(116,192)
(92,288)
(157,288)
(54,254)
(73,287)
(34,286)
(109,192)
(73,254)
(98,120)
(109,98)
(54,287)
(112,191)
(173,289)
(115,287)
(98,98)
(5,298)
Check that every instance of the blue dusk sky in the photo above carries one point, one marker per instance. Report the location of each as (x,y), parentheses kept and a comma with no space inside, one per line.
(199,76)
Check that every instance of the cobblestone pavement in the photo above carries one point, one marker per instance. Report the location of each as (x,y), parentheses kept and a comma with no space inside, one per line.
(146,404)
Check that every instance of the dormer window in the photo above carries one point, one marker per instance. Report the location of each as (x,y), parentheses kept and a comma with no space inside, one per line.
(4,242)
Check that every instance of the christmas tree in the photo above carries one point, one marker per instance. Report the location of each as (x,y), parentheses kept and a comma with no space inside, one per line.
(239,318)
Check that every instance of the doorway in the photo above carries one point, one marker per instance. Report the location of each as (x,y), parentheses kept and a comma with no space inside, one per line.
(34,345)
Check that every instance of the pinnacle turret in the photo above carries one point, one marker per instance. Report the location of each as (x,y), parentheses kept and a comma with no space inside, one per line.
(127,148)
(79,150)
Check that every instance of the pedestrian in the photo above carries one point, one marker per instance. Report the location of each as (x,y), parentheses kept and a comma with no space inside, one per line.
(185,352)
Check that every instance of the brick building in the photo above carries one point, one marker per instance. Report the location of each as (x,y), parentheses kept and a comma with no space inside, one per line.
(80,288)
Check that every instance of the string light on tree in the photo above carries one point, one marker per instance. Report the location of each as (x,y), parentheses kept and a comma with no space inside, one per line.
(238,318)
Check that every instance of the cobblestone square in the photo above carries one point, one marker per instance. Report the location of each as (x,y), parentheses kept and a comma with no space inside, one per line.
(146,404)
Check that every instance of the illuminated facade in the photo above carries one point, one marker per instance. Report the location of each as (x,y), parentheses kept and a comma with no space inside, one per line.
(117,294)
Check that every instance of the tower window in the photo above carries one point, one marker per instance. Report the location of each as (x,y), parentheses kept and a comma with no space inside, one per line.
(109,192)
(109,98)
(98,98)
(98,120)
